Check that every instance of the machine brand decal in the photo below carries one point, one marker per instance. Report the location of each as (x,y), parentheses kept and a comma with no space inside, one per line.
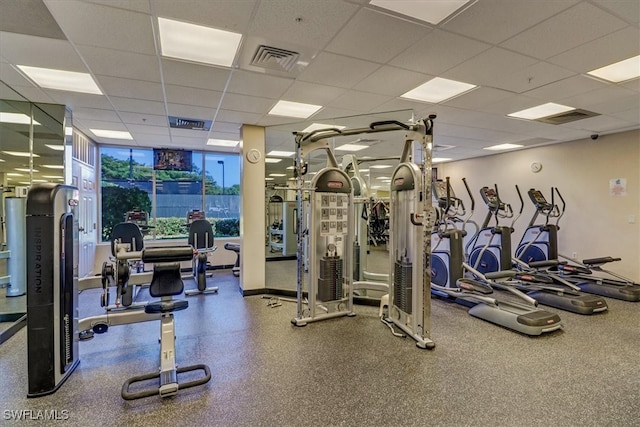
(38,258)
(334,184)
(398,181)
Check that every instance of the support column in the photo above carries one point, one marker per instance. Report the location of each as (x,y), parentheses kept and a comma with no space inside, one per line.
(252,209)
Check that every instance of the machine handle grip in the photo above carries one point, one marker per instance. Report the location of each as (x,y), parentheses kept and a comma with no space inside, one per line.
(295,221)
(412,218)
(389,122)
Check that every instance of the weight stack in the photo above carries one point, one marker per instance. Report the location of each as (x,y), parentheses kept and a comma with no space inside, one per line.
(402,288)
(330,279)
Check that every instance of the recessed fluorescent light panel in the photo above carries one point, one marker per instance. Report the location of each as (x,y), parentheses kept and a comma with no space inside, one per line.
(196,43)
(620,71)
(440,159)
(540,111)
(380,166)
(111,134)
(294,109)
(277,174)
(222,142)
(51,167)
(269,179)
(71,81)
(503,147)
(351,147)
(55,147)
(431,11)
(20,153)
(316,126)
(438,90)
(277,153)
(272,160)
(16,118)
(26,170)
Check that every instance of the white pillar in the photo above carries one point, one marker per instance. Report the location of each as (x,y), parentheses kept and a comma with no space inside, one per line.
(252,210)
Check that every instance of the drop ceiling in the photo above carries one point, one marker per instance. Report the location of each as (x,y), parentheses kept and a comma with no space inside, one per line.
(357,60)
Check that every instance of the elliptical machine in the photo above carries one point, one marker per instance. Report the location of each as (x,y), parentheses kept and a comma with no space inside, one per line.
(449,269)
(540,244)
(546,288)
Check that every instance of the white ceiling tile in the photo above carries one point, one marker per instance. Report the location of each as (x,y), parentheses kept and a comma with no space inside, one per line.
(337,70)
(118,63)
(138,105)
(629,10)
(320,20)
(262,85)
(329,113)
(86,114)
(102,124)
(606,95)
(139,89)
(226,127)
(632,85)
(438,52)
(359,101)
(102,26)
(478,98)
(311,93)
(144,119)
(188,143)
(536,75)
(496,20)
(250,104)
(76,100)
(615,104)
(598,124)
(566,88)
(511,105)
(567,30)
(581,59)
(391,81)
(134,5)
(152,140)
(490,68)
(224,14)
(181,73)
(192,96)
(20,49)
(238,117)
(148,130)
(362,38)
(190,111)
(631,116)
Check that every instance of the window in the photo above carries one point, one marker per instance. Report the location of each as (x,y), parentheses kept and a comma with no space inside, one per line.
(129,183)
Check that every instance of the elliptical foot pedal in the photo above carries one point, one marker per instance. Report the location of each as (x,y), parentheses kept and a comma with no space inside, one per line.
(164,390)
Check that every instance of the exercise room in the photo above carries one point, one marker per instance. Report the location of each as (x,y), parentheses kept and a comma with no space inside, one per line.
(319,212)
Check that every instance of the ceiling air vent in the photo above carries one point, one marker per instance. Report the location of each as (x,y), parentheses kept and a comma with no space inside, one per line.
(190,124)
(569,116)
(274,58)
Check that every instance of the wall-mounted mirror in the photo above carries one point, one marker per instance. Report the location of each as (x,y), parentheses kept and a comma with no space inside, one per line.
(32,150)
(280,194)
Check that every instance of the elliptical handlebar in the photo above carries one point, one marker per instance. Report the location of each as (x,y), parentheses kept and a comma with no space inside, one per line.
(564,206)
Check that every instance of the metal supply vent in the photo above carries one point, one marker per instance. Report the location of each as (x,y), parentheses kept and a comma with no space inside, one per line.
(274,58)
(191,124)
(569,116)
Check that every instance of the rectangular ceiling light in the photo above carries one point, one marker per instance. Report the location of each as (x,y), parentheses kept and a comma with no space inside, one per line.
(269,179)
(277,153)
(277,174)
(20,153)
(438,90)
(540,111)
(431,11)
(55,147)
(197,43)
(70,81)
(351,147)
(16,118)
(380,166)
(294,109)
(26,170)
(440,159)
(222,142)
(316,126)
(52,167)
(503,147)
(272,160)
(620,71)
(111,134)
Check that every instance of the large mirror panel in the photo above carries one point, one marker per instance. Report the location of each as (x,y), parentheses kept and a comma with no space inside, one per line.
(32,147)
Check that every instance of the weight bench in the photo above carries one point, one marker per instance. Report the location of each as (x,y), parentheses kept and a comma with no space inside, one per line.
(166,283)
(235,247)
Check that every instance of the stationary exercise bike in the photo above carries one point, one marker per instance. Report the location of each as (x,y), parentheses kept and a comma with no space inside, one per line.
(201,238)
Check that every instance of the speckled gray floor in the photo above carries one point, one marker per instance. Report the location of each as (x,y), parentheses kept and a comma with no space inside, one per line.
(347,371)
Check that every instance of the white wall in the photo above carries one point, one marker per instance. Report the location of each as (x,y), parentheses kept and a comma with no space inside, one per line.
(595,223)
